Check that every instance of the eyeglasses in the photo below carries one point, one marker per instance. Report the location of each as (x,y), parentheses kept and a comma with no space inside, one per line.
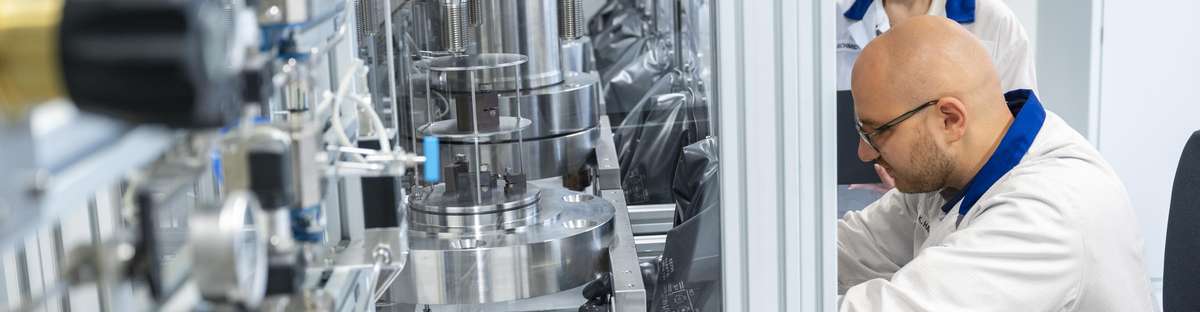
(869,137)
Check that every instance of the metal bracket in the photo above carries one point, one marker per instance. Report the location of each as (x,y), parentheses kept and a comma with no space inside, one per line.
(629,292)
(608,168)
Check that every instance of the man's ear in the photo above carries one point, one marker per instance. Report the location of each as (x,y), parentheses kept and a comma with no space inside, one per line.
(954,117)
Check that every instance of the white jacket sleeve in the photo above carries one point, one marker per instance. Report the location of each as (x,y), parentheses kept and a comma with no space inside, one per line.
(876,241)
(1015,62)
(1020,253)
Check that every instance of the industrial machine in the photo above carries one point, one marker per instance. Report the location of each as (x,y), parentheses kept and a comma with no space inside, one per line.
(348,155)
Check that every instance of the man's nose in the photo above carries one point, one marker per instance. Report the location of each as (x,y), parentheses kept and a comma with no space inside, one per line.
(865,152)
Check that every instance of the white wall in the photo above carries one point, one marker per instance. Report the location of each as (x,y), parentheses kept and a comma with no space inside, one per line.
(1066,51)
(1149,103)
(1068,58)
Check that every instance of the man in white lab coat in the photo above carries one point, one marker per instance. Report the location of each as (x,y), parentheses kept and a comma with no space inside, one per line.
(999,205)
(991,21)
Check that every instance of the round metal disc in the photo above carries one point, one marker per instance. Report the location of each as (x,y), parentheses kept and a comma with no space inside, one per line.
(473,62)
(435,200)
(563,248)
(449,129)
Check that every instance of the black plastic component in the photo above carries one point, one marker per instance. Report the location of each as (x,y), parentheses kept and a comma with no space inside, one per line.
(270,177)
(381,200)
(594,307)
(599,289)
(598,293)
(461,181)
(150,61)
(452,173)
(578,180)
(380,196)
(145,261)
(487,179)
(515,183)
(256,82)
(1181,275)
(282,279)
(166,186)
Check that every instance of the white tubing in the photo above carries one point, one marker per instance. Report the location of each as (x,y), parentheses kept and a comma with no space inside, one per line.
(377,123)
(336,99)
(339,131)
(365,105)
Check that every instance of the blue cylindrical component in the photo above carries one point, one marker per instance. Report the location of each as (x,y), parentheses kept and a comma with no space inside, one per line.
(218,175)
(432,167)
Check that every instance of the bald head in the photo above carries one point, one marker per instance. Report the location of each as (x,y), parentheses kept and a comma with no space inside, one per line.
(924,58)
(928,59)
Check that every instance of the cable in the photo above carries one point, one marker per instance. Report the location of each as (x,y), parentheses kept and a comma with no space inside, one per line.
(376,123)
(365,105)
(340,132)
(342,87)
(335,101)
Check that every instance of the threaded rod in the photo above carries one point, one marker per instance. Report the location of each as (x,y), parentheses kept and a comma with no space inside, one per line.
(455,26)
(570,19)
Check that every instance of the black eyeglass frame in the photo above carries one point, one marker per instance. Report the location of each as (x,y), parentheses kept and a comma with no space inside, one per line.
(869,137)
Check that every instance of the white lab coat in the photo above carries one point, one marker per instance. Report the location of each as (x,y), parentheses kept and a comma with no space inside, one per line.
(1055,233)
(995,26)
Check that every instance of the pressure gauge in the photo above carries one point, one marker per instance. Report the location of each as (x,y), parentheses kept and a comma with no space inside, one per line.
(229,248)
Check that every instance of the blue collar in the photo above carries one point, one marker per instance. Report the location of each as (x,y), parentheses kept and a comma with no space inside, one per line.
(1029,116)
(961,11)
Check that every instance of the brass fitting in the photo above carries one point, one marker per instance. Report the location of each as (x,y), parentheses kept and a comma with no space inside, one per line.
(29,60)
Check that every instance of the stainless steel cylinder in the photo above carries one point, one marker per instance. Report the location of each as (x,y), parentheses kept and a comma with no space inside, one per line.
(543,158)
(568,107)
(297,91)
(562,249)
(465,223)
(526,27)
(437,200)
(565,108)
(577,55)
(561,136)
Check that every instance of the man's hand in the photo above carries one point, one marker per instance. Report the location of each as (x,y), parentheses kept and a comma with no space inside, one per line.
(886,184)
